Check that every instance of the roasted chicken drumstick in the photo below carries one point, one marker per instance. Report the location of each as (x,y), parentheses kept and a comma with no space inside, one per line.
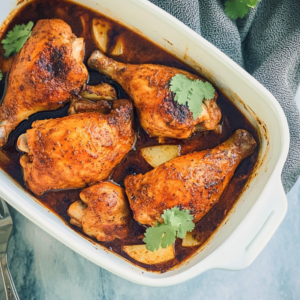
(148,87)
(76,150)
(103,213)
(45,73)
(194,181)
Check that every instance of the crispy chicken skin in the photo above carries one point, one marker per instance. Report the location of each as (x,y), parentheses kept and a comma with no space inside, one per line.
(103,213)
(43,75)
(76,150)
(194,181)
(148,87)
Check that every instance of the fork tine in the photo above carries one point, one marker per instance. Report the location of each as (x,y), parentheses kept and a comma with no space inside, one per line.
(5,233)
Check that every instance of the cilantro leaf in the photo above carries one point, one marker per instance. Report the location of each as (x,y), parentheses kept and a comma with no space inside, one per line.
(191,92)
(1,75)
(250,3)
(186,222)
(16,38)
(236,9)
(239,8)
(180,87)
(177,224)
(161,235)
(169,237)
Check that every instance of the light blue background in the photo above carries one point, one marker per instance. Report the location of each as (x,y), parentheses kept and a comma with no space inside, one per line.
(45,269)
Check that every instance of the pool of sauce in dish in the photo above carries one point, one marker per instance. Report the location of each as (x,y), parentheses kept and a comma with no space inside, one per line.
(136,50)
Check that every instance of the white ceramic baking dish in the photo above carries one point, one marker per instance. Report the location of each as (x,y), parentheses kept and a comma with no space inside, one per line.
(263,204)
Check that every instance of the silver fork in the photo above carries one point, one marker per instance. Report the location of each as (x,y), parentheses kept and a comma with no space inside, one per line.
(6,225)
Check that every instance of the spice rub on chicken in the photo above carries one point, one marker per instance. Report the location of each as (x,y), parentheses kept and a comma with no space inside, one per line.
(77,150)
(44,74)
(194,181)
(148,87)
(103,212)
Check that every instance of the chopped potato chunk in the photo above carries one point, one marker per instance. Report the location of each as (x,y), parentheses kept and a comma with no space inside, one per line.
(100,30)
(85,24)
(118,50)
(189,241)
(157,155)
(141,254)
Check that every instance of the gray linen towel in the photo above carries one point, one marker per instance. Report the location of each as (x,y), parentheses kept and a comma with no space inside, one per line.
(266,43)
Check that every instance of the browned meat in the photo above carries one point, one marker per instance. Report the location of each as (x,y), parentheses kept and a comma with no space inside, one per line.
(104,213)
(93,98)
(43,75)
(194,181)
(148,87)
(76,150)
(78,106)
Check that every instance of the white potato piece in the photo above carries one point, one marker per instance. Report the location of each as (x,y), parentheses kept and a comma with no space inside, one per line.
(85,20)
(157,155)
(141,254)
(100,30)
(78,49)
(118,50)
(189,241)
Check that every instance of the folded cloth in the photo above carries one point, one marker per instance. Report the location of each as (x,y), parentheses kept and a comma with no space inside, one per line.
(266,43)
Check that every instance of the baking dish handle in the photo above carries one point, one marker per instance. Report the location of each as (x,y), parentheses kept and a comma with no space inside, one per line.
(255,231)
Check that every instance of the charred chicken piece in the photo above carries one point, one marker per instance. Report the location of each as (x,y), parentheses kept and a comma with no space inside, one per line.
(78,106)
(103,213)
(93,98)
(148,87)
(103,91)
(43,75)
(76,150)
(194,181)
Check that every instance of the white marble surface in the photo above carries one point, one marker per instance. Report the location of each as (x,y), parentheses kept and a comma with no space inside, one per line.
(45,269)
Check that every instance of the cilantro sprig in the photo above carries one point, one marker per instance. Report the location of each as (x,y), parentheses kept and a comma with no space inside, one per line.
(239,8)
(177,224)
(16,38)
(1,75)
(191,92)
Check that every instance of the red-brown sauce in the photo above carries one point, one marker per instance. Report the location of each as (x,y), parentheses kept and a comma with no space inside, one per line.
(136,50)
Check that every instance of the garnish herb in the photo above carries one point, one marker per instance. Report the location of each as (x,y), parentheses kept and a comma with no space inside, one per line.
(191,92)
(16,38)
(1,75)
(177,224)
(239,8)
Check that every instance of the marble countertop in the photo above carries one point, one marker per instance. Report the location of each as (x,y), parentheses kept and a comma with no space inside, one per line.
(45,269)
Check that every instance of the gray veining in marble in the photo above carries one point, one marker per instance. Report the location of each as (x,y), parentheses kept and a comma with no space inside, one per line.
(45,269)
